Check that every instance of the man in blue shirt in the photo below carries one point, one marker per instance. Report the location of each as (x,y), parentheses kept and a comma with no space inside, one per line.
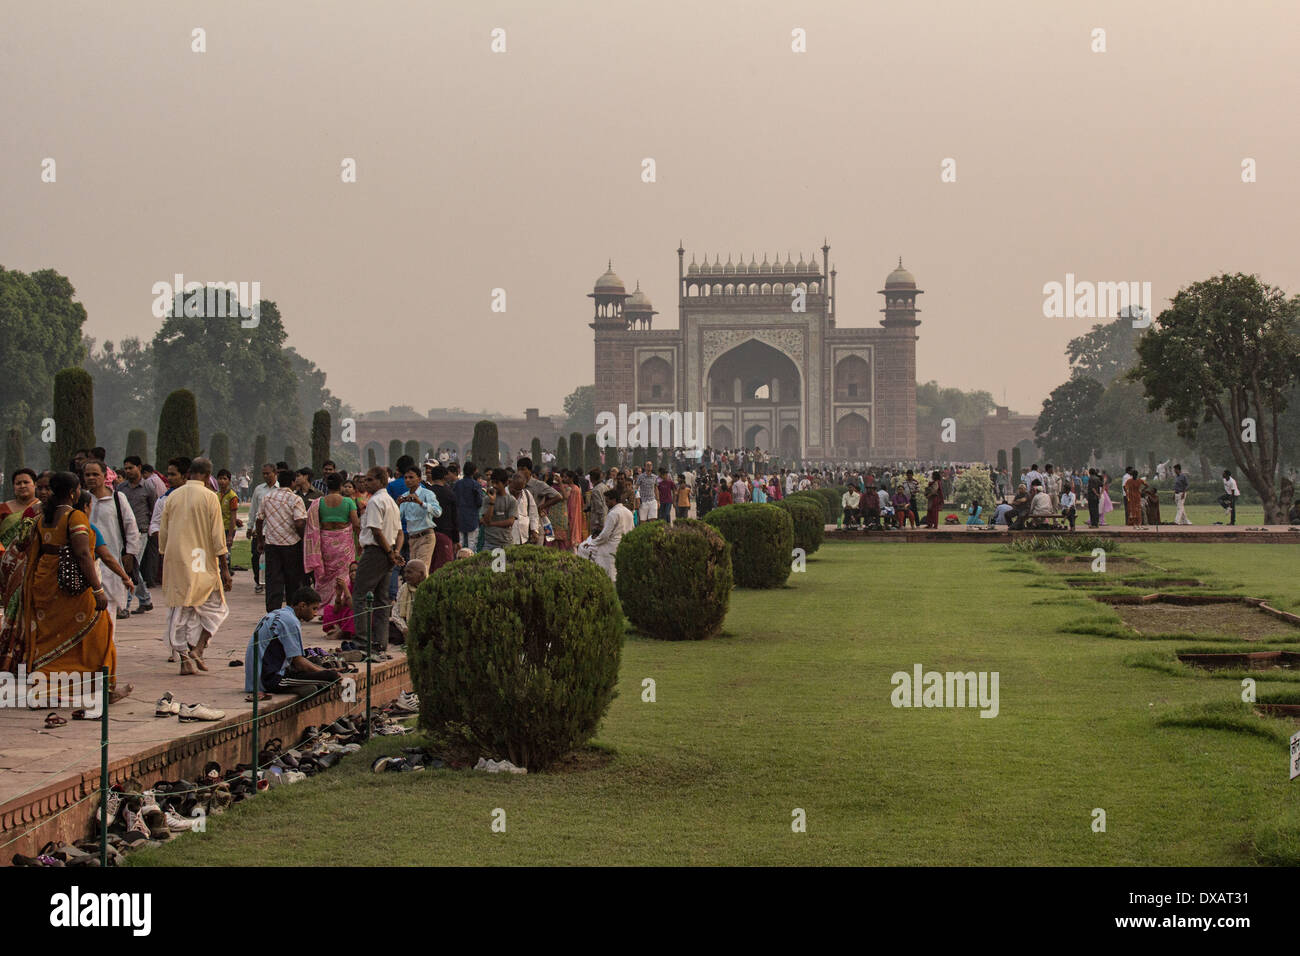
(418,507)
(469,502)
(277,641)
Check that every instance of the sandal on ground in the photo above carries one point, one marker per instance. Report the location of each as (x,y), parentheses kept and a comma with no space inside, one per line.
(81,715)
(121,694)
(54,720)
(249,698)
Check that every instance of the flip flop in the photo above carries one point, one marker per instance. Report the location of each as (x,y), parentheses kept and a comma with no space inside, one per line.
(249,698)
(81,715)
(53,720)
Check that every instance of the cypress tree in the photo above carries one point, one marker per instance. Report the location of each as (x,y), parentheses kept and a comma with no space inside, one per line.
(592,453)
(1015,467)
(561,453)
(575,451)
(74,415)
(485,450)
(290,457)
(137,443)
(178,428)
(320,441)
(1002,459)
(13,458)
(394,452)
(638,457)
(413,451)
(219,451)
(259,453)
(370,458)
(535,451)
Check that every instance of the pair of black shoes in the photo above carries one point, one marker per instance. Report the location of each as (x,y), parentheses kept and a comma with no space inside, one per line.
(143,609)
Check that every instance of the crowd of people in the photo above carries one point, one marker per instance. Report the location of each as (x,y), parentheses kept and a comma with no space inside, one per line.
(85,547)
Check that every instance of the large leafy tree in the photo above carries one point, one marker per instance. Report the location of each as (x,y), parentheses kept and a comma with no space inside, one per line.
(40,334)
(242,378)
(1227,349)
(1104,353)
(1127,425)
(580,409)
(1069,428)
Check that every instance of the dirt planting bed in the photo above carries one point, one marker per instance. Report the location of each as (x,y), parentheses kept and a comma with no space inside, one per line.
(1082,564)
(1234,617)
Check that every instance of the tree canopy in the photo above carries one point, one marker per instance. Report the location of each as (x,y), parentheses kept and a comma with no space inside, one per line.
(1226,350)
(1069,428)
(40,334)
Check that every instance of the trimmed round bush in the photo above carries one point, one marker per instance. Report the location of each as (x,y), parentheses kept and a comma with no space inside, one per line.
(520,663)
(674,581)
(761,539)
(809,522)
(812,496)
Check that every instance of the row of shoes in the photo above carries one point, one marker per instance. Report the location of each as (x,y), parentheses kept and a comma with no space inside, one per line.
(410,759)
(169,706)
(333,662)
(138,817)
(406,703)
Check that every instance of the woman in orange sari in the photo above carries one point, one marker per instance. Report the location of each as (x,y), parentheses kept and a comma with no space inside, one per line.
(573,501)
(1133,497)
(66,632)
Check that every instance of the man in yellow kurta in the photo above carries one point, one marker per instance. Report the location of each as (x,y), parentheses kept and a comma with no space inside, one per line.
(196,569)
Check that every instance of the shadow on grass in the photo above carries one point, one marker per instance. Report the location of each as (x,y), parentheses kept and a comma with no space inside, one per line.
(1226,715)
(1276,846)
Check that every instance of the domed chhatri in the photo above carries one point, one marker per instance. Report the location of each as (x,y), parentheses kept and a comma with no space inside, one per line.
(638,301)
(694,269)
(900,278)
(610,283)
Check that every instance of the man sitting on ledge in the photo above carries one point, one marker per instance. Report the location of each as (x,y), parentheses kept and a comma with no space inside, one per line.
(1040,507)
(277,641)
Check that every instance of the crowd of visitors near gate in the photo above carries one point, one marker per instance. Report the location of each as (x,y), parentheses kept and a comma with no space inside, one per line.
(85,547)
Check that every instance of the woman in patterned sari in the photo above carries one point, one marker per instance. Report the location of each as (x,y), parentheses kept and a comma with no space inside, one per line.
(17,519)
(64,632)
(330,536)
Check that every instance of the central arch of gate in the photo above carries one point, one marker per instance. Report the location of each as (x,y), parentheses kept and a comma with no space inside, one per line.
(754,398)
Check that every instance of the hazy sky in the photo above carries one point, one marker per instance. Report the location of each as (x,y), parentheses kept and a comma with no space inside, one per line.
(522,170)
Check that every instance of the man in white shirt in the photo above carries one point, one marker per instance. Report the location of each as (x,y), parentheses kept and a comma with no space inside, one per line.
(1040,506)
(111,513)
(254,505)
(850,501)
(602,547)
(1067,505)
(1230,494)
(1032,475)
(1052,486)
(381,550)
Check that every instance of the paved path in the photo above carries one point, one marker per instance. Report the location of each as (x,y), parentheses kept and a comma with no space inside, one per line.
(31,756)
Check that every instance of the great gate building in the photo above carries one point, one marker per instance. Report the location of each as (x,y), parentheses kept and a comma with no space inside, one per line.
(758,351)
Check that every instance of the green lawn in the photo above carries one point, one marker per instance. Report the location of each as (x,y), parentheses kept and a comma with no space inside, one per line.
(791,709)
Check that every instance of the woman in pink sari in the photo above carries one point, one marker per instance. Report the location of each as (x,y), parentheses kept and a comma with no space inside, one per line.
(328,540)
(577,520)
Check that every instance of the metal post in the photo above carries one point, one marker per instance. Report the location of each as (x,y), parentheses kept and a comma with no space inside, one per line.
(257,694)
(370,653)
(103,767)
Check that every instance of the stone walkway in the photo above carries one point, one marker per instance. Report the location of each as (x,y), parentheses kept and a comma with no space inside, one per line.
(31,756)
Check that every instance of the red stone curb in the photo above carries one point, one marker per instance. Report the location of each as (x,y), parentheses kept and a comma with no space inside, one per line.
(228,742)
